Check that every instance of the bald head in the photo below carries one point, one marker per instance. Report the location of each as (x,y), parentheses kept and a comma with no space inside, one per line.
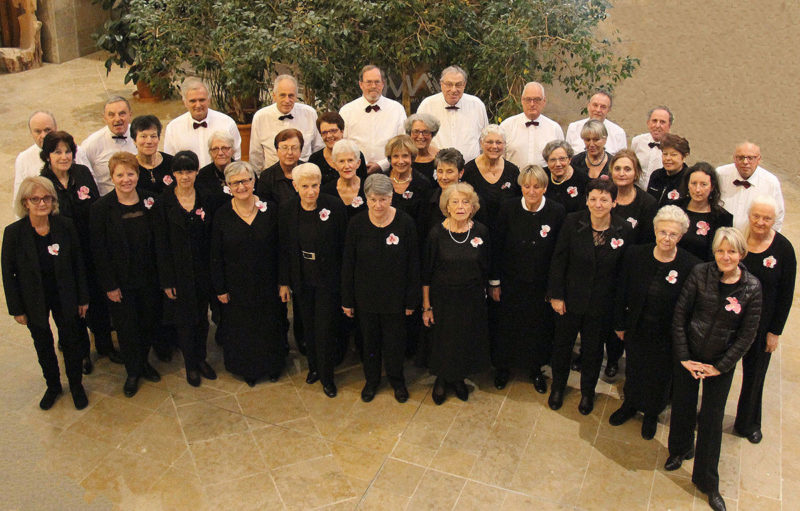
(533,100)
(746,158)
(41,123)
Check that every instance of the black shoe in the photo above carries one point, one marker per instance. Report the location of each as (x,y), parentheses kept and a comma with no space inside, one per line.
(113,355)
(649,426)
(716,502)
(206,371)
(368,393)
(131,386)
(675,462)
(49,398)
(586,405)
(149,373)
(193,377)
(439,393)
(312,377)
(401,393)
(251,382)
(540,383)
(462,392)
(79,396)
(329,390)
(755,437)
(87,367)
(164,355)
(621,416)
(501,378)
(556,399)
(576,363)
(612,368)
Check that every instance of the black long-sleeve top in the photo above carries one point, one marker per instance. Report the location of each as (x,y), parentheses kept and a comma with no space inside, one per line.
(775,268)
(75,201)
(412,201)
(211,183)
(639,214)
(159,178)
(331,174)
(702,227)
(380,267)
(570,193)
(356,206)
(579,165)
(492,195)
(666,188)
(274,186)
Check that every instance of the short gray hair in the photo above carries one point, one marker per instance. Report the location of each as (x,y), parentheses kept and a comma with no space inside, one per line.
(453,69)
(464,188)
(345,146)
(536,84)
(595,128)
(110,101)
(192,83)
(764,200)
(280,78)
(664,108)
(45,112)
(238,167)
(733,236)
(492,129)
(672,213)
(430,122)
(306,171)
(220,135)
(378,184)
(556,144)
(26,190)
(451,156)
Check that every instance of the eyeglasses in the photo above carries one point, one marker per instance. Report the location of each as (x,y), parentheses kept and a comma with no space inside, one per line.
(535,100)
(372,83)
(47,199)
(333,131)
(241,182)
(668,235)
(224,148)
(560,159)
(740,157)
(453,85)
(289,148)
(420,133)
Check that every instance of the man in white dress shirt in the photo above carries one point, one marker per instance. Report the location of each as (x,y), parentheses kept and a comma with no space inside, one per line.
(284,113)
(461,116)
(743,180)
(647,146)
(28,162)
(371,120)
(599,106)
(527,133)
(111,139)
(190,131)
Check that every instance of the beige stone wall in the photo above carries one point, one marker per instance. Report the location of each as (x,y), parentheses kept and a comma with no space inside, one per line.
(68,28)
(729,70)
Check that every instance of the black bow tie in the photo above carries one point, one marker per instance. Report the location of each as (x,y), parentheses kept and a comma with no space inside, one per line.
(451,107)
(372,108)
(742,182)
(287,116)
(196,125)
(531,123)
(119,137)
(654,144)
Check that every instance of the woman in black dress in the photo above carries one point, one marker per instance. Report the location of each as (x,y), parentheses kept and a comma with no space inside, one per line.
(634,205)
(43,274)
(593,162)
(312,231)
(454,281)
(349,187)
(702,204)
(380,284)
(275,182)
(183,244)
(123,244)
(665,183)
(566,186)
(716,320)
(77,192)
(770,257)
(211,178)
(523,243)
(651,280)
(422,128)
(155,167)
(331,127)
(449,170)
(583,274)
(244,275)
(411,188)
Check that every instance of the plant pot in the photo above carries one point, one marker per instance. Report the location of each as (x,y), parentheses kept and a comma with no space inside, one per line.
(244,132)
(145,94)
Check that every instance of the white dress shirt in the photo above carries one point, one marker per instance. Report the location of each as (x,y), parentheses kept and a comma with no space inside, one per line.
(371,130)
(180,135)
(616,136)
(524,144)
(29,164)
(459,127)
(266,124)
(99,147)
(737,199)
(649,157)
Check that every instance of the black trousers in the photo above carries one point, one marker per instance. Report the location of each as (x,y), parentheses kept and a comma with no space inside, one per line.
(319,310)
(191,339)
(614,348)
(71,343)
(708,422)
(384,345)
(98,318)
(754,371)
(594,330)
(136,319)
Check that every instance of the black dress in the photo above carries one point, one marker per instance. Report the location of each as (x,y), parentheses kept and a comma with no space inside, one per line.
(639,214)
(645,302)
(211,183)
(331,174)
(427,169)
(159,178)
(702,227)
(431,213)
(523,246)
(244,264)
(492,195)
(571,193)
(356,206)
(413,199)
(457,274)
(579,165)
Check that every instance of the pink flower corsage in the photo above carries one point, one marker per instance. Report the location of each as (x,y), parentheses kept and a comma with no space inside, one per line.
(324,214)
(617,242)
(506,185)
(476,242)
(770,262)
(703,228)
(408,194)
(227,189)
(199,212)
(733,305)
(632,221)
(53,249)
(357,201)
(545,230)
(167,180)
(148,202)
(83,193)
(572,191)
(392,239)
(672,277)
(673,195)
(262,206)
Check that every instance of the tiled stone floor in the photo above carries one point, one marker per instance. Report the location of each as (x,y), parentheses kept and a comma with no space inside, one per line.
(285,445)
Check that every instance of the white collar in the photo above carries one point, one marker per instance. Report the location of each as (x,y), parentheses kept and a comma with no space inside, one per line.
(541,204)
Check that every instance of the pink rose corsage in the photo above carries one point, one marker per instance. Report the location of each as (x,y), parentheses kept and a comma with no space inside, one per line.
(617,242)
(506,185)
(572,191)
(632,221)
(53,249)
(148,202)
(545,230)
(408,194)
(324,214)
(357,201)
(672,277)
(199,212)
(167,180)
(673,195)
(770,262)
(227,189)
(262,206)
(392,239)
(476,242)
(703,228)
(733,305)
(83,193)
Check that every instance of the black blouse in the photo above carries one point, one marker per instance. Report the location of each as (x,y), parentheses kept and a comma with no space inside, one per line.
(775,268)
(492,195)
(356,206)
(413,199)
(666,188)
(158,178)
(274,186)
(702,227)
(570,193)
(427,169)
(639,214)
(331,174)
(579,165)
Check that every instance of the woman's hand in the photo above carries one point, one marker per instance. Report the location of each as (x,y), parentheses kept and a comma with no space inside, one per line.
(695,368)
(559,306)
(772,343)
(224,298)
(427,317)
(170,292)
(115,295)
(494,292)
(21,319)
(620,334)
(82,310)
(709,370)
(348,311)
(285,293)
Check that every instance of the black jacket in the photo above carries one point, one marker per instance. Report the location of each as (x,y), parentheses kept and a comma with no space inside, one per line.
(22,278)
(713,329)
(329,243)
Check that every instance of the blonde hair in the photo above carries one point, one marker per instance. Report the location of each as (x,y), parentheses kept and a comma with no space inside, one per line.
(401,142)
(733,236)
(306,171)
(464,188)
(26,190)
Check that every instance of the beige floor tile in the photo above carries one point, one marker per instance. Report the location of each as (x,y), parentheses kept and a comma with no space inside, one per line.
(521,502)
(749,501)
(226,458)
(377,499)
(203,420)
(413,453)
(159,438)
(454,461)
(399,477)
(760,470)
(437,491)
(74,455)
(500,456)
(252,493)
(178,491)
(124,478)
(272,403)
(729,467)
(568,422)
(671,492)
(313,483)
(477,497)
(110,420)
(280,446)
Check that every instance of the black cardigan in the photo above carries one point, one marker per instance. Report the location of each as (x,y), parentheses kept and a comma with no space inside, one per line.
(22,278)
(713,329)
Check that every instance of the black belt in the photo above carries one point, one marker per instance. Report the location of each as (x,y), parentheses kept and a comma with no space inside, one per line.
(311,256)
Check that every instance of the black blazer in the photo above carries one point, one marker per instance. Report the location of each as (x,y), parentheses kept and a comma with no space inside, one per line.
(22,278)
(115,264)
(330,243)
(584,275)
